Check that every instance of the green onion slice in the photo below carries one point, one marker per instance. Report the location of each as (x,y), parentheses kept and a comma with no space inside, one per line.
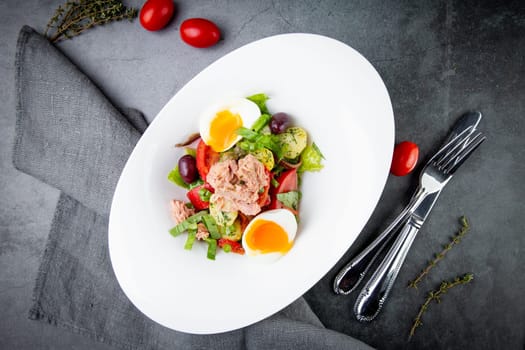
(212,248)
(211,225)
(189,241)
(190,222)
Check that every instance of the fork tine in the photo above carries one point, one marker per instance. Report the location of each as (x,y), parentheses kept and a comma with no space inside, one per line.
(450,148)
(452,156)
(471,145)
(453,153)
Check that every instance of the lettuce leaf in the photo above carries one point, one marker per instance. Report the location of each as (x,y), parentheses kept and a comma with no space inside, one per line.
(311,159)
(290,199)
(174,176)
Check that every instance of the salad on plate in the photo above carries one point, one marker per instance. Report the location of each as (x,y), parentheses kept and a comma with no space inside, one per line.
(242,173)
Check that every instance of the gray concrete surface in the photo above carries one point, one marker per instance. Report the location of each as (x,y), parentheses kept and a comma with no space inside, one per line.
(437,58)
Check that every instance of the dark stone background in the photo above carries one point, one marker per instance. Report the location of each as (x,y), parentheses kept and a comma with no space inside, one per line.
(437,58)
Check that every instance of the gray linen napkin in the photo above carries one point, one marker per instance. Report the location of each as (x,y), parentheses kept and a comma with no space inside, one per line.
(70,136)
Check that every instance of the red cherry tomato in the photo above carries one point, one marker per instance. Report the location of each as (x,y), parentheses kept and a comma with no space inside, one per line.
(287,182)
(205,157)
(405,158)
(155,14)
(195,198)
(235,246)
(199,32)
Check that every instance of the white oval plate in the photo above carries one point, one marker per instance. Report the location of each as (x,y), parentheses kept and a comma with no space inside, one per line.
(331,91)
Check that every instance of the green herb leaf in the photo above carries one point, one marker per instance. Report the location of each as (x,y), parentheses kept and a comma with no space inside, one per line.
(436,295)
(311,159)
(76,16)
(439,256)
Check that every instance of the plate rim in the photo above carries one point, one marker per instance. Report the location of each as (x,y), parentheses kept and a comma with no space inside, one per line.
(167,106)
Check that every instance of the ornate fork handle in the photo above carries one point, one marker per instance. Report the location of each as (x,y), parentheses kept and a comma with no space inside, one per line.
(351,275)
(373,295)
(435,176)
(354,271)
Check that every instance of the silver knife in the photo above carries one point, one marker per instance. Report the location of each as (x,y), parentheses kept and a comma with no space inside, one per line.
(375,292)
(351,275)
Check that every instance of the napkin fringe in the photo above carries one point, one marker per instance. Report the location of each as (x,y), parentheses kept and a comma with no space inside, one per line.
(36,312)
(23,37)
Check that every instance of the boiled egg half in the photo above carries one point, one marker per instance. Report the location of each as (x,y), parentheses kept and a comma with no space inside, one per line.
(218,123)
(270,234)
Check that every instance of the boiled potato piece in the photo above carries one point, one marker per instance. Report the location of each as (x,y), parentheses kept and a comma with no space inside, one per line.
(222,218)
(232,232)
(265,156)
(293,141)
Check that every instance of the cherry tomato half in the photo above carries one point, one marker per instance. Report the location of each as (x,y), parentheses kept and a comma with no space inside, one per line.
(287,182)
(199,32)
(205,158)
(195,197)
(236,247)
(156,14)
(405,158)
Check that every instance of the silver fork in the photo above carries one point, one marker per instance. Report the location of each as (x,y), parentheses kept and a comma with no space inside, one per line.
(435,175)
(351,275)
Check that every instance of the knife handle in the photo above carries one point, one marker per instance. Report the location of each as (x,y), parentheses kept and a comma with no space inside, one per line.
(356,269)
(351,275)
(373,295)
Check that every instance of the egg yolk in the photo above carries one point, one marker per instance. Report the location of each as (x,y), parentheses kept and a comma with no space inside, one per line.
(222,130)
(267,237)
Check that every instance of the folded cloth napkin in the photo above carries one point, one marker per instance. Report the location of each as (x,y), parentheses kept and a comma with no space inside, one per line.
(70,136)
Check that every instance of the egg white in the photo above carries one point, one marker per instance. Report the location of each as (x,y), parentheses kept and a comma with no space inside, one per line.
(246,109)
(282,217)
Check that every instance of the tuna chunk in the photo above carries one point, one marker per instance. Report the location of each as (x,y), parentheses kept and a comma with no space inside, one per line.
(223,175)
(237,184)
(202,232)
(179,211)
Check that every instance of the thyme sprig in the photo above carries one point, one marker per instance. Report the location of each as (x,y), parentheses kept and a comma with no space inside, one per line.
(436,296)
(465,226)
(76,16)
